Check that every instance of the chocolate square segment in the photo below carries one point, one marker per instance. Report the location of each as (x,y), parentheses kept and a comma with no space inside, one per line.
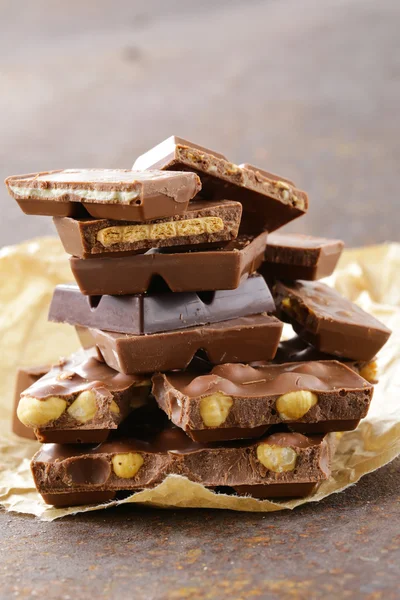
(153,313)
(191,270)
(331,323)
(282,464)
(80,400)
(295,256)
(269,201)
(238,401)
(203,223)
(117,194)
(244,339)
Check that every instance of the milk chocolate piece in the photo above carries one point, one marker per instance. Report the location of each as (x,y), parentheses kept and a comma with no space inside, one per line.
(154,313)
(262,492)
(192,270)
(104,193)
(80,400)
(331,323)
(239,401)
(296,350)
(277,490)
(132,464)
(146,418)
(295,256)
(203,223)
(26,376)
(78,498)
(238,340)
(269,201)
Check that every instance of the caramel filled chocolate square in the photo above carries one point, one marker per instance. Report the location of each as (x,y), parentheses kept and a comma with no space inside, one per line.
(203,223)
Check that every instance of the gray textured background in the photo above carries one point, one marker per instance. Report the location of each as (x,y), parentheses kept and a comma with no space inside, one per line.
(308,89)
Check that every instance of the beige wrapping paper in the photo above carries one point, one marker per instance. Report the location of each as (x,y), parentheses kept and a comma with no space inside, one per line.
(28,273)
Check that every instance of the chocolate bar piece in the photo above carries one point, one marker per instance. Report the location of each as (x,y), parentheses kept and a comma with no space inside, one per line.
(331,323)
(189,271)
(269,201)
(117,194)
(203,223)
(26,376)
(296,350)
(281,459)
(295,256)
(154,313)
(80,399)
(239,401)
(238,340)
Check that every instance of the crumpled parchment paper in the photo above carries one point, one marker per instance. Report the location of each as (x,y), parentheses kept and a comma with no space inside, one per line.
(28,273)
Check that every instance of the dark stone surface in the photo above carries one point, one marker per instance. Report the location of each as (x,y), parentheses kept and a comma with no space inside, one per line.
(306,89)
(347,546)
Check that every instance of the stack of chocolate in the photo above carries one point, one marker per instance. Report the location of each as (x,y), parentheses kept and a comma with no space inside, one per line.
(182,370)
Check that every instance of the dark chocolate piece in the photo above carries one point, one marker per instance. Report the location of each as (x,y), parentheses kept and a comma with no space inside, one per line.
(82,397)
(239,400)
(295,256)
(268,201)
(203,223)
(331,323)
(104,193)
(296,350)
(26,376)
(154,313)
(189,271)
(134,464)
(237,340)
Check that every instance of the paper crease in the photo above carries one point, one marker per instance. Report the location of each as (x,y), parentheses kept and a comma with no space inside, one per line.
(28,272)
